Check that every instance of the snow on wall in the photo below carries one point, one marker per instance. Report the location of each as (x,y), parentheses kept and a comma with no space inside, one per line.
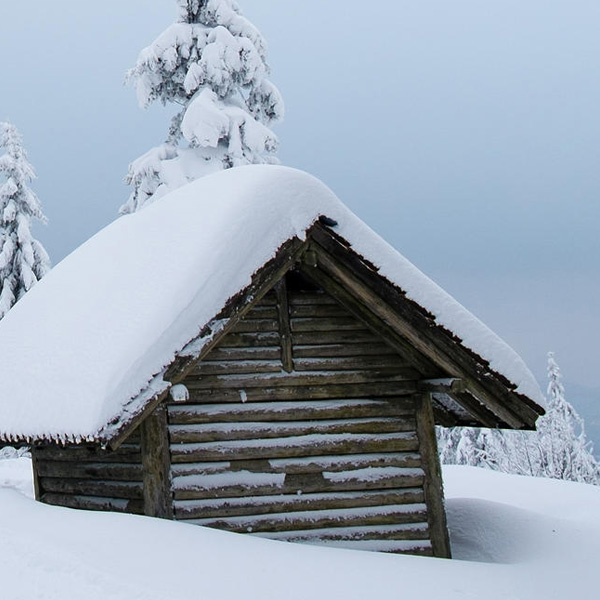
(112,315)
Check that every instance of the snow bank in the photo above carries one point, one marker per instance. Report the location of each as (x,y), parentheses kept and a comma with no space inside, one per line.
(534,539)
(104,323)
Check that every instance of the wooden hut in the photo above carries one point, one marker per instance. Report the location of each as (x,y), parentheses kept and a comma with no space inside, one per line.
(291,392)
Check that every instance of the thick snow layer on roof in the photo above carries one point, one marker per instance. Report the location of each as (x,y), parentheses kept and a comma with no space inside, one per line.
(99,329)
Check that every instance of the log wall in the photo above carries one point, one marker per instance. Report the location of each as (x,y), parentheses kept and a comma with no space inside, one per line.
(309,437)
(91,478)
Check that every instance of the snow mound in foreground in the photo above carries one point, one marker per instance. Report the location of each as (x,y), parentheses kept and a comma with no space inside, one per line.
(541,539)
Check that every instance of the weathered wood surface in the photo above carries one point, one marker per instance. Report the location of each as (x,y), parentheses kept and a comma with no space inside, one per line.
(402,531)
(91,478)
(302,410)
(261,505)
(127,453)
(203,432)
(322,391)
(415,547)
(89,470)
(311,445)
(433,485)
(237,307)
(156,462)
(84,487)
(383,363)
(343,350)
(240,484)
(310,378)
(333,438)
(135,507)
(304,465)
(285,331)
(416,326)
(319,519)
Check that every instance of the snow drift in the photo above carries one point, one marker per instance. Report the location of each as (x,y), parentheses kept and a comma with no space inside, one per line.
(515,538)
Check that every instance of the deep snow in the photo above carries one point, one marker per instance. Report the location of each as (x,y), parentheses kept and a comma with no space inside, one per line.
(533,539)
(136,293)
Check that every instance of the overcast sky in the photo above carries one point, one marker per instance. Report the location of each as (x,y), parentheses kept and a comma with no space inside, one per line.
(466,133)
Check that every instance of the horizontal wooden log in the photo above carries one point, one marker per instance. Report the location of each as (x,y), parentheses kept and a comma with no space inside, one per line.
(236,367)
(305,392)
(262,505)
(180,414)
(308,445)
(209,432)
(127,453)
(335,463)
(352,363)
(327,324)
(304,464)
(110,489)
(305,311)
(249,340)
(262,312)
(256,326)
(252,353)
(135,507)
(334,337)
(392,531)
(341,350)
(317,519)
(268,299)
(308,298)
(412,547)
(89,470)
(307,464)
(243,484)
(308,378)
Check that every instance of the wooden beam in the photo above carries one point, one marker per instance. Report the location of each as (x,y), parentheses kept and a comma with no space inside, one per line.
(37,490)
(412,323)
(285,332)
(433,486)
(237,307)
(158,498)
(362,311)
(233,312)
(450,385)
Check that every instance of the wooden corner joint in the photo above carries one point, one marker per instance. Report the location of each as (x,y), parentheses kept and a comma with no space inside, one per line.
(449,385)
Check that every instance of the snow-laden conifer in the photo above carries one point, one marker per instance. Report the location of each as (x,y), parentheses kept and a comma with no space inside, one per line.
(559,449)
(212,64)
(23,260)
(566,452)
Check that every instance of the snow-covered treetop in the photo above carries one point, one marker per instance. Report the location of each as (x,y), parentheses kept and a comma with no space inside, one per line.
(104,324)
(23,260)
(212,64)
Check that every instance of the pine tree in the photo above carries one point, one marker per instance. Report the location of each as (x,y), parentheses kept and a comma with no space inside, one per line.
(23,260)
(212,64)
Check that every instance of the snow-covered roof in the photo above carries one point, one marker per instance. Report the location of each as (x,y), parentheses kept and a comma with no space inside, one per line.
(91,340)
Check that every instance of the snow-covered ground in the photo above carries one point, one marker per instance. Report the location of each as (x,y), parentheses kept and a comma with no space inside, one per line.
(517,538)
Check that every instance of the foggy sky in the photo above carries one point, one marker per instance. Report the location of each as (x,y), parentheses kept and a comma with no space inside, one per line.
(466,133)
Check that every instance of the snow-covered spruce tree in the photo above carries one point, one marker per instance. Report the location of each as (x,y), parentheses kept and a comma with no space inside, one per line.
(23,260)
(565,452)
(211,64)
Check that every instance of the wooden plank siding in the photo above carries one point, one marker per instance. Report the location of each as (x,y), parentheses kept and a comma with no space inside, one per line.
(309,436)
(91,478)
